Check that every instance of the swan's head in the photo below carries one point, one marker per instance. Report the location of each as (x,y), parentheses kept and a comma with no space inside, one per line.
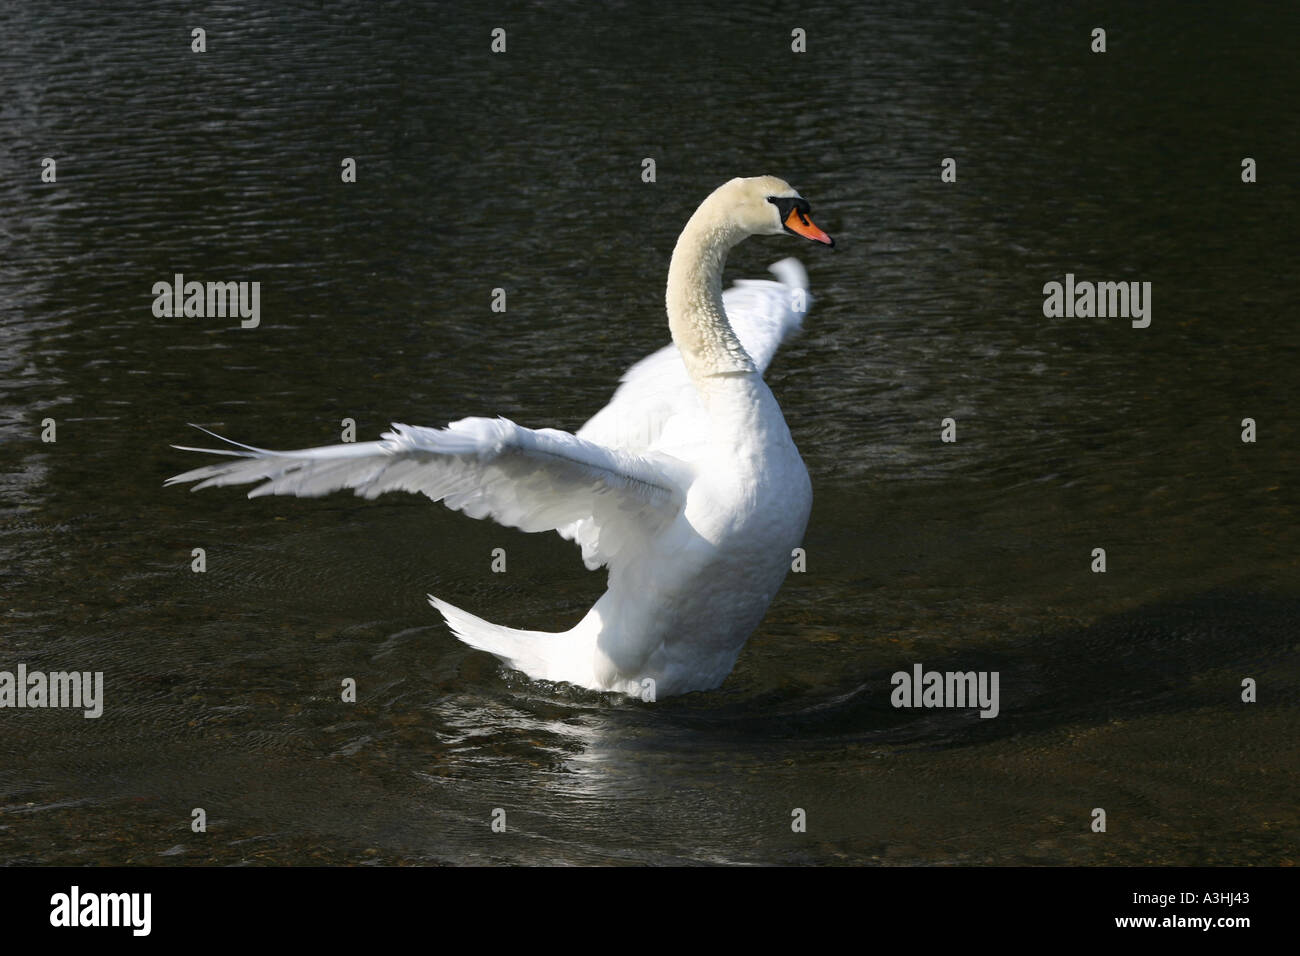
(767,206)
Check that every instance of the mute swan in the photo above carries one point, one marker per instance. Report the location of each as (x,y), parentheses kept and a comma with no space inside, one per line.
(687,486)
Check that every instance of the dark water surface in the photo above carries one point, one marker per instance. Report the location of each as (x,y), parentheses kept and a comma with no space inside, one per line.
(522,171)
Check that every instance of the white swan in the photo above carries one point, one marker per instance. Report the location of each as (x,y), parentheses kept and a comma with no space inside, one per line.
(687,485)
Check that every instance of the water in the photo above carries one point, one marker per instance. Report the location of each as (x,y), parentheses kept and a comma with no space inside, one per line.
(522,172)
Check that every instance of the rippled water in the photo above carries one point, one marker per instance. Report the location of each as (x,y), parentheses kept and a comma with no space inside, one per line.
(522,171)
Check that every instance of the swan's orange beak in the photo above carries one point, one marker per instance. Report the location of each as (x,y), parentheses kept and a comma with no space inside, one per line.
(801,225)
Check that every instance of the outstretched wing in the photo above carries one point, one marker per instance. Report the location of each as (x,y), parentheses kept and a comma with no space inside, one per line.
(763,315)
(534,480)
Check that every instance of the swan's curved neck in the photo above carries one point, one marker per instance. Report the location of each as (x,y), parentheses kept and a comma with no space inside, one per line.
(696,317)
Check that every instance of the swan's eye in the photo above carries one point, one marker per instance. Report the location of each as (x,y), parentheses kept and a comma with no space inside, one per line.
(786,205)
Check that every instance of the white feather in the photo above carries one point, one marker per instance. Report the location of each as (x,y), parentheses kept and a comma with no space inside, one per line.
(487,468)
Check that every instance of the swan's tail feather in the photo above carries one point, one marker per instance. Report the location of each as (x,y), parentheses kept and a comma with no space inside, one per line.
(543,655)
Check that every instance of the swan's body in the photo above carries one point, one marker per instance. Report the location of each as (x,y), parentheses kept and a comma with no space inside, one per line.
(687,486)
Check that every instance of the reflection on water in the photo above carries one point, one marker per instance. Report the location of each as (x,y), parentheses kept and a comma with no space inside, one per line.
(523,172)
